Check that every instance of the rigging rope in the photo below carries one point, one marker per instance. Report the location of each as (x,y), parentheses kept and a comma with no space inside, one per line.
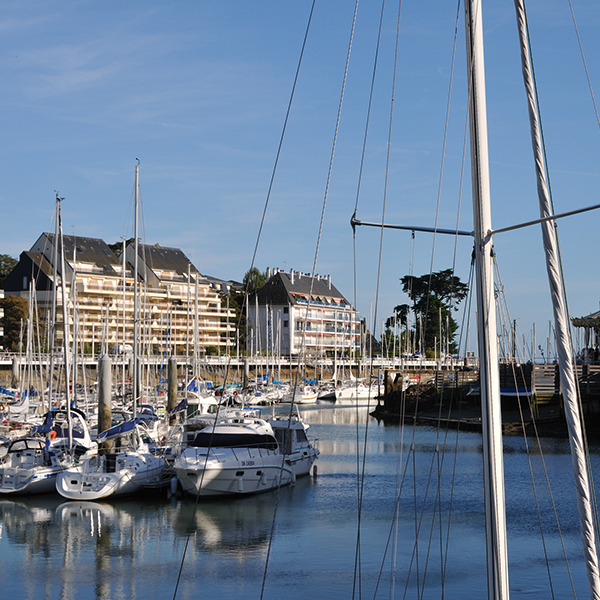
(356,585)
(533,411)
(418,520)
(574,414)
(314,269)
(246,295)
(587,74)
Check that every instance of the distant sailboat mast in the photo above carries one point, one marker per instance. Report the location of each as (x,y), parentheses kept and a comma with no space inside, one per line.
(65,328)
(136,365)
(53,309)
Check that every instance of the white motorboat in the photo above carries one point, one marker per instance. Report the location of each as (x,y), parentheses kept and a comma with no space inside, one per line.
(290,433)
(301,395)
(358,391)
(125,471)
(32,463)
(237,455)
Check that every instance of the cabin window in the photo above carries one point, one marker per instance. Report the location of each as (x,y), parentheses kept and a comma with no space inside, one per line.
(301,435)
(284,439)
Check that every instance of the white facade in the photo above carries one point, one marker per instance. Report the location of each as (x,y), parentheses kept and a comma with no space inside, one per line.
(293,313)
(179,309)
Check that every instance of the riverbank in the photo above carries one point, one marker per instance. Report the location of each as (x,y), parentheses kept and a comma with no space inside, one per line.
(428,407)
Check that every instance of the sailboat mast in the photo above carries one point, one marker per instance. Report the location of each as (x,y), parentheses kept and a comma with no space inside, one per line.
(65,328)
(135,378)
(583,489)
(493,470)
(54,294)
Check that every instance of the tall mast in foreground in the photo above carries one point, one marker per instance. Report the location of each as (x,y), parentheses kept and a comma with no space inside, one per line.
(493,468)
(583,490)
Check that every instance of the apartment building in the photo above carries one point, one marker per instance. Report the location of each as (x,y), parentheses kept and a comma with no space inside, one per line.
(179,310)
(294,311)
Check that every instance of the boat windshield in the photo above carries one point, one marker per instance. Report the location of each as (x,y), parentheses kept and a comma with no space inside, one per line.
(207,439)
(20,445)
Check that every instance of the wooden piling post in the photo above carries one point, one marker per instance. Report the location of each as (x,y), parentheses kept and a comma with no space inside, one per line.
(172,389)
(104,398)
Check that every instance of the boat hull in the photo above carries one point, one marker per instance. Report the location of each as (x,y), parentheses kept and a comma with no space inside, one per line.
(306,397)
(229,472)
(28,481)
(95,478)
(360,392)
(31,466)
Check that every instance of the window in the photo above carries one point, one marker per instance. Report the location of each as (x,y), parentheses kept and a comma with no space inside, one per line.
(286,310)
(286,324)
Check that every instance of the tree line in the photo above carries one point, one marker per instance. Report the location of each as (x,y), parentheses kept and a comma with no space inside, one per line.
(435,297)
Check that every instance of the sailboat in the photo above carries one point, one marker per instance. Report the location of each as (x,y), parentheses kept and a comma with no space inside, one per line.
(128,467)
(33,462)
(125,471)
(483,235)
(498,586)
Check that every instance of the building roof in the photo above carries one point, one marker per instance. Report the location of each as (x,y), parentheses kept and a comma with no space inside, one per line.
(223,285)
(167,263)
(294,287)
(39,260)
(92,251)
(31,265)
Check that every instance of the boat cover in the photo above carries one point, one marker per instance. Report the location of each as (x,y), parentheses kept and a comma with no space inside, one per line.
(118,430)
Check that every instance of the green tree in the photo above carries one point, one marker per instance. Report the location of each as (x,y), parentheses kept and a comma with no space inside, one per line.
(400,316)
(16,311)
(388,343)
(117,247)
(254,279)
(7,264)
(443,285)
(435,297)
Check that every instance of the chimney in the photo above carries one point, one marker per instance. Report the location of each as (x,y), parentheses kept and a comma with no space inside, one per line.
(268,273)
(292,276)
(329,281)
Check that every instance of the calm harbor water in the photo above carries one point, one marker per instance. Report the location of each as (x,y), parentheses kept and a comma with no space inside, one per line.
(134,548)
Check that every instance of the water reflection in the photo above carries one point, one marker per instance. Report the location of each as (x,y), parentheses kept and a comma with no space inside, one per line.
(30,522)
(333,414)
(133,548)
(230,526)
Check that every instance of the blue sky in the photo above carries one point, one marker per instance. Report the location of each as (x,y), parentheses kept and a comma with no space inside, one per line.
(198,92)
